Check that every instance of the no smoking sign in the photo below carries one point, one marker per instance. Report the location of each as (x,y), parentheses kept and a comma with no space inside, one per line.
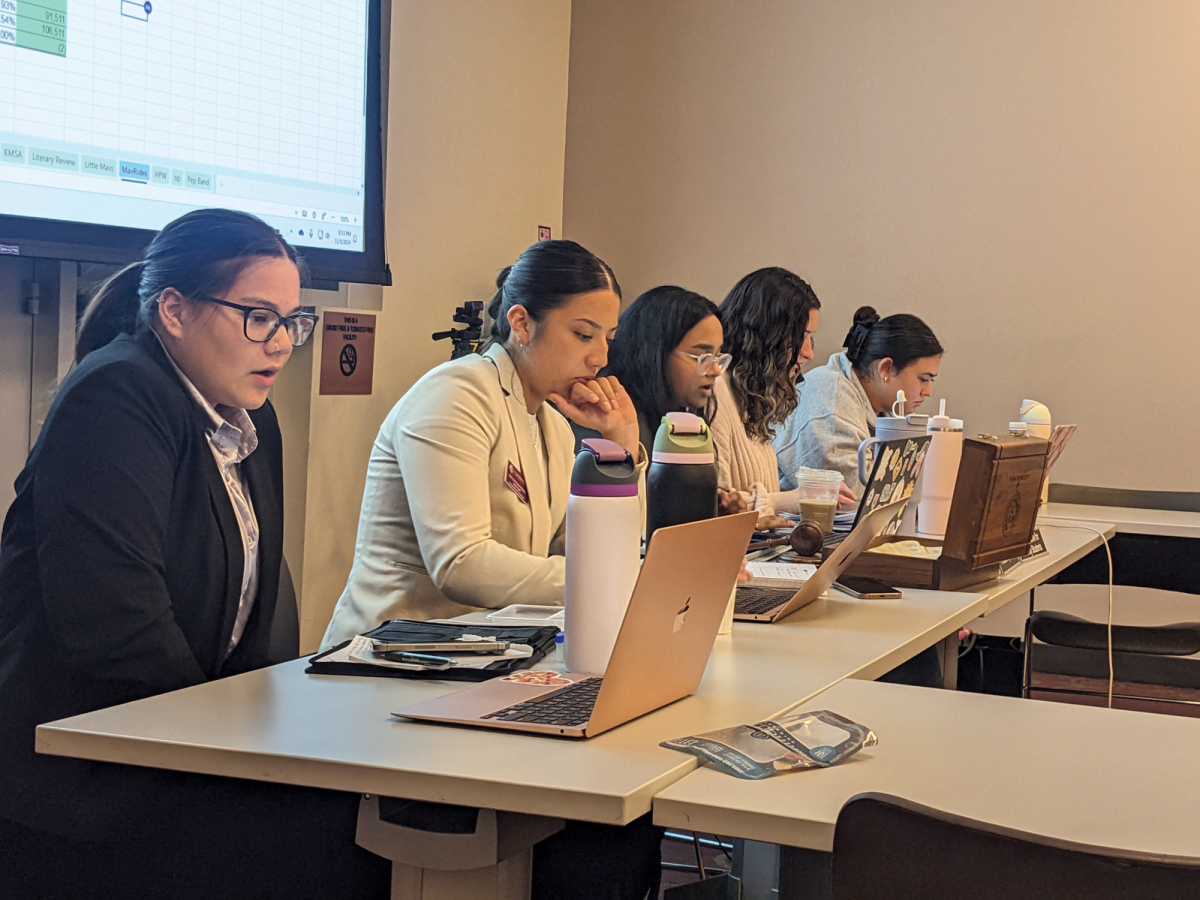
(347,352)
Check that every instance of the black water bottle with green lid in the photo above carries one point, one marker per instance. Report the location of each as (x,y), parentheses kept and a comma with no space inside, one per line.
(681,483)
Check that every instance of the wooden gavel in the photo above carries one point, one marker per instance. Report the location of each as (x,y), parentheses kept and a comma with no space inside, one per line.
(806,539)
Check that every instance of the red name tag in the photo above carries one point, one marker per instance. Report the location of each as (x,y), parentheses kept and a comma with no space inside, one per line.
(516,483)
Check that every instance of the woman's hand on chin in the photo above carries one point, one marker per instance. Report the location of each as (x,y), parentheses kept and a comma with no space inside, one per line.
(604,406)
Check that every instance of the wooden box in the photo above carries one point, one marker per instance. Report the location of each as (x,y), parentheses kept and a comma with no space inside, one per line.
(996,498)
(992,519)
(942,574)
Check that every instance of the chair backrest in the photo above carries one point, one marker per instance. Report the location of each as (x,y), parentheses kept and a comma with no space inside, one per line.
(886,848)
(1065,630)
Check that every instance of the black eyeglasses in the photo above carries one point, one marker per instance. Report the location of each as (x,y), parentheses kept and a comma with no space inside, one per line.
(260,324)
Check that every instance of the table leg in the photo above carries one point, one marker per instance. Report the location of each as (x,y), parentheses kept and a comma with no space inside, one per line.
(948,655)
(507,880)
(805,874)
(492,862)
(755,869)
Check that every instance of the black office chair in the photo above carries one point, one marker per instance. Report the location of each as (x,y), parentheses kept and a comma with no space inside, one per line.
(1149,672)
(886,848)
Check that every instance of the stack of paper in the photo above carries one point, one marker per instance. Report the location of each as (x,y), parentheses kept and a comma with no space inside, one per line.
(771,574)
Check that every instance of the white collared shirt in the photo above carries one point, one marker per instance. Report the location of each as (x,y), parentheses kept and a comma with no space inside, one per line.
(232,437)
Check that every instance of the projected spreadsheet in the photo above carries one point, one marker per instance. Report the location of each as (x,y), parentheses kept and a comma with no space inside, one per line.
(127,113)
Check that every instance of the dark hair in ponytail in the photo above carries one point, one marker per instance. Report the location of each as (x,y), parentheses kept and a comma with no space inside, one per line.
(201,253)
(903,338)
(542,278)
(647,334)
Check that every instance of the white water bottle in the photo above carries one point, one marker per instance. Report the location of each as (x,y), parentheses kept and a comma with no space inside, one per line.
(940,473)
(1038,424)
(604,537)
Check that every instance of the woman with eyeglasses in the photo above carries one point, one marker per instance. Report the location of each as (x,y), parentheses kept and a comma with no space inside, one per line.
(143,554)
(667,352)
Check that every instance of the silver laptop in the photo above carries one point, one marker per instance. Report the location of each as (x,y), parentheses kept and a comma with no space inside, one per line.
(762,603)
(677,605)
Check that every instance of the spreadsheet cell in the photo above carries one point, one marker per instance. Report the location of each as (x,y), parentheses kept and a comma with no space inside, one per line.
(39,25)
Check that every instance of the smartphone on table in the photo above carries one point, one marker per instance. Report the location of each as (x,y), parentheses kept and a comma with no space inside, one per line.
(442,647)
(865,588)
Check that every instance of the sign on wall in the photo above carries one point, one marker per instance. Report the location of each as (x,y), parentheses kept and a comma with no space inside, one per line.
(347,352)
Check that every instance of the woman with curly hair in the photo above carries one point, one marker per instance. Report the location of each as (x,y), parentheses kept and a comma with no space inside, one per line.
(769,317)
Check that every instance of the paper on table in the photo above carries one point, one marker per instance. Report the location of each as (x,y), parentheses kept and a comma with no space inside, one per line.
(908,548)
(777,571)
(360,650)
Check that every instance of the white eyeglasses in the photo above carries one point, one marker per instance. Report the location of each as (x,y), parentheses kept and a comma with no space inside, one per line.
(704,361)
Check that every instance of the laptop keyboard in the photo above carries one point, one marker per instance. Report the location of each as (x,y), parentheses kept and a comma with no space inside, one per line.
(834,539)
(571,705)
(753,601)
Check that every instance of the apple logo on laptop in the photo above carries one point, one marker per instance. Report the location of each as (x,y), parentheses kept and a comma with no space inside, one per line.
(679,616)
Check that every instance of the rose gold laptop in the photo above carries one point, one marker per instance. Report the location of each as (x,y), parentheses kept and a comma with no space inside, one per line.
(764,603)
(659,657)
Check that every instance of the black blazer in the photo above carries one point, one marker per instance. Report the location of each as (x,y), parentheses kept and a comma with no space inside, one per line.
(120,573)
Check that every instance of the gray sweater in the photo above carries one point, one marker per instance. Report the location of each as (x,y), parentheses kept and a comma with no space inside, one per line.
(833,418)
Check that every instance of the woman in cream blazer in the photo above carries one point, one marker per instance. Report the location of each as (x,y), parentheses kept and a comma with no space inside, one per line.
(466,493)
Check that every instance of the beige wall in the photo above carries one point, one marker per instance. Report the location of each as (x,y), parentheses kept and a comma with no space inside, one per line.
(475,149)
(1024,175)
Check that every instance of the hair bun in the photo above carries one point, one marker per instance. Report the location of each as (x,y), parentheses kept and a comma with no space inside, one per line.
(866,315)
(865,318)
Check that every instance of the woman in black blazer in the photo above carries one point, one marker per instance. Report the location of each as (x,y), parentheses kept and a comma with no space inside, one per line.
(142,555)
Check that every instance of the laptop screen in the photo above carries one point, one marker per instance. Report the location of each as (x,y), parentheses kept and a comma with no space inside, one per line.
(893,477)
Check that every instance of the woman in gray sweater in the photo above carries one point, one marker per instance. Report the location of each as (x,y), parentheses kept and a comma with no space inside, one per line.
(840,400)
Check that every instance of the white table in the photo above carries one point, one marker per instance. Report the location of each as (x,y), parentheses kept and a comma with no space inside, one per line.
(1053,769)
(281,725)
(1127,520)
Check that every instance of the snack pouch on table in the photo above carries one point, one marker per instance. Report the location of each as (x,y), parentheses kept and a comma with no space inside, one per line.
(800,741)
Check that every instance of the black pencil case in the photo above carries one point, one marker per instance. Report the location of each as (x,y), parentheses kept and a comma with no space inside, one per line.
(401,631)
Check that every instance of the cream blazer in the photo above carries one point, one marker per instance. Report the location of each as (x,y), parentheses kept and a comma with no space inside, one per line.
(441,531)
